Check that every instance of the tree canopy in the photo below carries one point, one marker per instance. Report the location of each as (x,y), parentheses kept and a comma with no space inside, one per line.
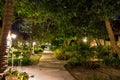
(71,17)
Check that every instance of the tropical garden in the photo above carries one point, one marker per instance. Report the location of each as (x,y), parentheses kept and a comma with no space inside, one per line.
(84,33)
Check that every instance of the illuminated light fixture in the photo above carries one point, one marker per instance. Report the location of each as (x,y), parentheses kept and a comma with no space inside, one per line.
(85,39)
(9,39)
(34,43)
(13,36)
(95,44)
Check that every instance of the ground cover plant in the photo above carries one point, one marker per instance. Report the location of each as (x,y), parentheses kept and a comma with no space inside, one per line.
(16,75)
(23,57)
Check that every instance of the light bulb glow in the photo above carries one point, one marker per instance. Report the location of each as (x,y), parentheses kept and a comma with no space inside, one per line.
(13,36)
(85,39)
(34,43)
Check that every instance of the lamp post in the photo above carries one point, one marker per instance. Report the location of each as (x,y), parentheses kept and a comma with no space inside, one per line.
(34,43)
(13,37)
(9,43)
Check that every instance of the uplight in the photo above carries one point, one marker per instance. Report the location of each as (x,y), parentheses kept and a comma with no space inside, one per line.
(85,39)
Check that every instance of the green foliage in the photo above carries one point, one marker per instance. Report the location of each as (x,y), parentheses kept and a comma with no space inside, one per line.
(95,77)
(72,47)
(19,62)
(20,75)
(16,53)
(34,59)
(2,4)
(61,54)
(84,50)
(83,55)
(44,31)
(53,47)
(68,54)
(74,18)
(72,61)
(16,61)
(25,60)
(91,65)
(58,41)
(113,62)
(102,51)
(22,57)
(43,46)
(75,61)
(10,72)
(38,50)
(98,30)
(79,61)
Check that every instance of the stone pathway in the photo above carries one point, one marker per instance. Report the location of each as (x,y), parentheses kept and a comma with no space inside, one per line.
(49,68)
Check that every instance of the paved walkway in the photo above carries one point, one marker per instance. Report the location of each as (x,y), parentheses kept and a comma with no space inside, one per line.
(49,68)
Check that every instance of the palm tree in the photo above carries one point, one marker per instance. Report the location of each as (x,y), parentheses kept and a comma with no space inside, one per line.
(111,36)
(8,13)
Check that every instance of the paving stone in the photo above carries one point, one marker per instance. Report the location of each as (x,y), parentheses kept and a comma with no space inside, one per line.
(49,68)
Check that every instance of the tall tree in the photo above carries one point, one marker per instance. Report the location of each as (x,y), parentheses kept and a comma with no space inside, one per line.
(8,14)
(62,11)
(105,11)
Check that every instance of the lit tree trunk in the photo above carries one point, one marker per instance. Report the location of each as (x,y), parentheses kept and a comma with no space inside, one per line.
(31,39)
(111,36)
(8,13)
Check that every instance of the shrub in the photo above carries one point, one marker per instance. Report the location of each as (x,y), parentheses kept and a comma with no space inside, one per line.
(114,62)
(72,61)
(71,48)
(43,46)
(60,54)
(15,61)
(34,59)
(91,65)
(104,51)
(75,62)
(82,59)
(69,54)
(15,75)
(38,50)
(95,77)
(84,51)
(53,47)
(25,60)
(17,53)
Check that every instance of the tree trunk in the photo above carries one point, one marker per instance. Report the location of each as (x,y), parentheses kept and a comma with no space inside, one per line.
(8,13)
(111,36)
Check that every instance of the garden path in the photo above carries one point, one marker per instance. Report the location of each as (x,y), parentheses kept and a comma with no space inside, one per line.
(49,68)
